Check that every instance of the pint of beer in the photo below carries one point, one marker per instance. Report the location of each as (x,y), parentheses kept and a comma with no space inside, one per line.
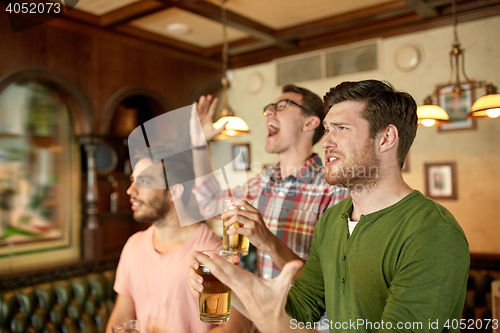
(130,326)
(236,243)
(215,299)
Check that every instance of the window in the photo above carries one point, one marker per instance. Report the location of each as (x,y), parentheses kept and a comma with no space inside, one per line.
(36,179)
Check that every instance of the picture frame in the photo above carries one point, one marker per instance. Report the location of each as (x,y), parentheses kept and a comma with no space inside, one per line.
(457,108)
(241,164)
(441,180)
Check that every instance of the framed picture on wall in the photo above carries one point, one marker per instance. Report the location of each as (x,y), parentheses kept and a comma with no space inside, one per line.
(441,180)
(457,107)
(241,163)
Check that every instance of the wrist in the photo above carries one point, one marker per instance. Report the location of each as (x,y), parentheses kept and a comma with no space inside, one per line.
(279,324)
(271,247)
(284,323)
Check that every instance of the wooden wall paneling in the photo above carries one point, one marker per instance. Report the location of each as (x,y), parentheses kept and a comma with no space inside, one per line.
(100,64)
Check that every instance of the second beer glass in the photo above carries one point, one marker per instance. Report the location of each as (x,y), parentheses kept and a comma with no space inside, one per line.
(236,243)
(215,299)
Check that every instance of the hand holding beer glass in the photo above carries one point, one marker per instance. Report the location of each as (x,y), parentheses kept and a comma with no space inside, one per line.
(238,244)
(215,299)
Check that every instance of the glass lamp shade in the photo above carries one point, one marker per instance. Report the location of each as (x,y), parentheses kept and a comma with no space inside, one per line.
(432,115)
(235,127)
(486,107)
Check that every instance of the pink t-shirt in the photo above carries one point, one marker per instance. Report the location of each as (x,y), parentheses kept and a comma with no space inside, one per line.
(158,282)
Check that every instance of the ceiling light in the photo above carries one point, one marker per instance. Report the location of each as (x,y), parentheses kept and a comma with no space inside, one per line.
(431,115)
(235,127)
(487,106)
(178,29)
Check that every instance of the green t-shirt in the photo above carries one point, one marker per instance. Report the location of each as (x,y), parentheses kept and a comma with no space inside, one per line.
(403,268)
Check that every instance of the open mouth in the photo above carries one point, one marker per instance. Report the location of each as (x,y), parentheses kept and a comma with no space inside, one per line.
(272,129)
(136,205)
(330,159)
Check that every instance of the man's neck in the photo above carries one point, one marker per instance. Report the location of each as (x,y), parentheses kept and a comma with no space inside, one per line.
(292,160)
(385,193)
(169,235)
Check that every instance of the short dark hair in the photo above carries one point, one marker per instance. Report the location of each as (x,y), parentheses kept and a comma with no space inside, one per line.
(178,168)
(313,103)
(384,106)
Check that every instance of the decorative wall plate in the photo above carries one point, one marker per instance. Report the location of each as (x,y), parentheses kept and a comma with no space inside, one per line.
(106,158)
(255,82)
(407,57)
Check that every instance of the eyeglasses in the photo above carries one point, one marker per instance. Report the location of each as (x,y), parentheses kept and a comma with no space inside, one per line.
(282,104)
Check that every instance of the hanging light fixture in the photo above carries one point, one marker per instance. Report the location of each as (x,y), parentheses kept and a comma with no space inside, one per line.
(235,125)
(430,112)
(431,115)
(457,57)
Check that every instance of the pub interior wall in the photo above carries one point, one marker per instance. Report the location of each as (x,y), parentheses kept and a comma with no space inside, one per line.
(476,152)
(99,65)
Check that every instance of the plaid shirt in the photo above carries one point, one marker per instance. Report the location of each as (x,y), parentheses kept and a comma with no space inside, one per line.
(289,207)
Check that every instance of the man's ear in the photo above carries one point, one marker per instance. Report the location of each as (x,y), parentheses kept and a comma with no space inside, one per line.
(311,123)
(388,138)
(176,191)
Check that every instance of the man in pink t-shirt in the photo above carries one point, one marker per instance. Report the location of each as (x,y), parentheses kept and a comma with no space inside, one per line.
(152,272)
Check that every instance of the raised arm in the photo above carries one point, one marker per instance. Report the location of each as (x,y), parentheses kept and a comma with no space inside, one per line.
(205,108)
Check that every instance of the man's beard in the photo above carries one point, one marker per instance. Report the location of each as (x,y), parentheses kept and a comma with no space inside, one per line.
(358,173)
(156,210)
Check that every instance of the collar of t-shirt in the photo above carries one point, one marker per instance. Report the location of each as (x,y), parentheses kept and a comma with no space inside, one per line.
(352,225)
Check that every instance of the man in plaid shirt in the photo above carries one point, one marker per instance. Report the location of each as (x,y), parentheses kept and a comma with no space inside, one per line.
(290,197)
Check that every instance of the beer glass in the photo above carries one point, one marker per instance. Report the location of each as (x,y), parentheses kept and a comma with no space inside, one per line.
(236,243)
(118,328)
(215,299)
(130,326)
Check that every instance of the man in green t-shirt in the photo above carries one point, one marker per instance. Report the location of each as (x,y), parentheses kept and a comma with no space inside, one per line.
(385,259)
